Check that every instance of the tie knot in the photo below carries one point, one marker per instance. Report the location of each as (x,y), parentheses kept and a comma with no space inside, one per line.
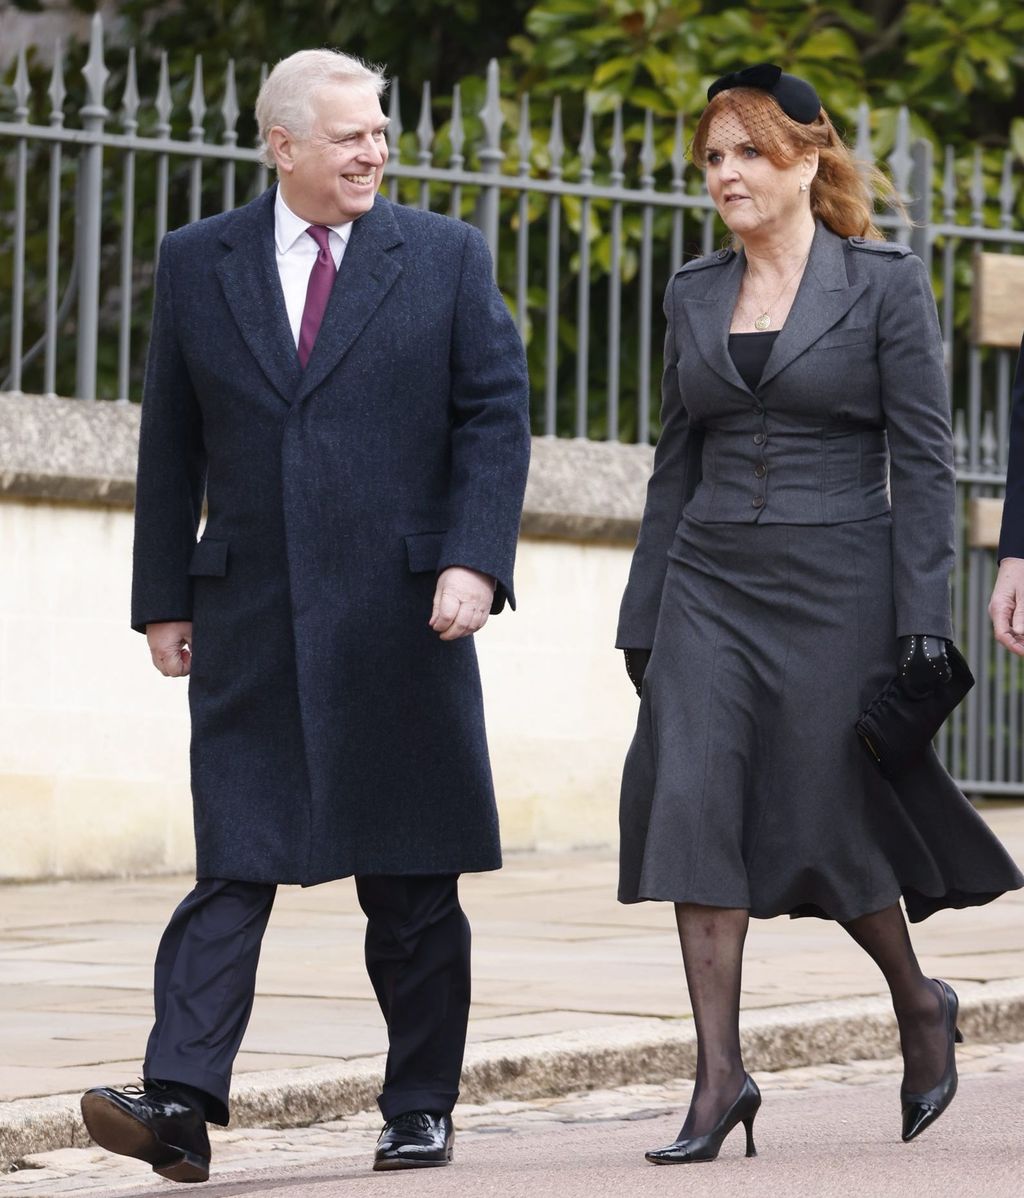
(321,235)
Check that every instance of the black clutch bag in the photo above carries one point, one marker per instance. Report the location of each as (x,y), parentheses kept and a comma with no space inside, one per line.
(897,726)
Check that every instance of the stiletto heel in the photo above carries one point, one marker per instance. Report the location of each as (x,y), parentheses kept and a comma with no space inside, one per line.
(748,1125)
(921,1110)
(707,1147)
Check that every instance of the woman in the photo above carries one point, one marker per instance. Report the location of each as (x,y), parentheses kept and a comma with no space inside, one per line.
(772,595)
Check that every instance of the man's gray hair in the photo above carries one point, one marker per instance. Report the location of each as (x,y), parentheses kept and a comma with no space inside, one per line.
(286,96)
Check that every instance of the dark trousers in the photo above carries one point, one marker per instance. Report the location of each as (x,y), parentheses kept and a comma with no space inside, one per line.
(417,956)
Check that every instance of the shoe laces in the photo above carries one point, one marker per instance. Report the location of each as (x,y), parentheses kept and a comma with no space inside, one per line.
(415,1119)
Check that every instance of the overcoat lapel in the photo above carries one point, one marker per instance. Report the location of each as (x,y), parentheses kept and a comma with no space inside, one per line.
(822,300)
(252,288)
(367,273)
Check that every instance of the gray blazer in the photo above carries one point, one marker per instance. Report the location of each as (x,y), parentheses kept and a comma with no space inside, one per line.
(854,389)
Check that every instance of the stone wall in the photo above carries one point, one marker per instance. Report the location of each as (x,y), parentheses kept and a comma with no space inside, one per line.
(94,743)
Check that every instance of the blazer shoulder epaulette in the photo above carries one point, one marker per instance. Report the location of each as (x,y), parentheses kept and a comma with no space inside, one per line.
(718,258)
(879,247)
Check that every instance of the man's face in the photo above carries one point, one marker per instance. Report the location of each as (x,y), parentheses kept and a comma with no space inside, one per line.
(332,175)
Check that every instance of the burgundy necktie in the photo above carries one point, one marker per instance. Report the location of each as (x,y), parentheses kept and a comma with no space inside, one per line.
(318,291)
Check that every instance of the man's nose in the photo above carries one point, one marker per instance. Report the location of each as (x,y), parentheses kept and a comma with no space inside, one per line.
(374,151)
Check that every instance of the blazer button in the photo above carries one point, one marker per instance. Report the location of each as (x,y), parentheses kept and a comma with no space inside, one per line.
(758,501)
(759,409)
(760,470)
(759,438)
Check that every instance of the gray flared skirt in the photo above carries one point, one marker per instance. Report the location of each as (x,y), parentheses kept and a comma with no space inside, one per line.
(745,784)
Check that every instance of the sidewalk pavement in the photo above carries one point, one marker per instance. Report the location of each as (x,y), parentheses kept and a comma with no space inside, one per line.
(571,991)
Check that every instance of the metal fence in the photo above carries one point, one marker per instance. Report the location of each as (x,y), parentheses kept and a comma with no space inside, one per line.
(584,231)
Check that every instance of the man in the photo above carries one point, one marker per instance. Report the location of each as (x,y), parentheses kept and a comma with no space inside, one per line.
(1006,607)
(362,437)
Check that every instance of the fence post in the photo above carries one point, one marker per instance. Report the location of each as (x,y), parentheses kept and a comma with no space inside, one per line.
(921,201)
(900,163)
(90,196)
(22,95)
(491,157)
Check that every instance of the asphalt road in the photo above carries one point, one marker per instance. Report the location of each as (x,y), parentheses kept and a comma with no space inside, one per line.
(830,1130)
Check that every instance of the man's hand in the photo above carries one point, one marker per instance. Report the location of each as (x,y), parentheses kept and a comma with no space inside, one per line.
(170,646)
(1006,607)
(462,602)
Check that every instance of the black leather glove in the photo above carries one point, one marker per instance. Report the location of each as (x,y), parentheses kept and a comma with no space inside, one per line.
(636,665)
(924,663)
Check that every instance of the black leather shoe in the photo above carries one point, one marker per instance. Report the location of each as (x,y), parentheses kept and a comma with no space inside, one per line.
(157,1124)
(691,1149)
(921,1110)
(415,1140)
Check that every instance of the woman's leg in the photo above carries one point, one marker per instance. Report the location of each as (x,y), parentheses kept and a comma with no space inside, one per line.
(918,1001)
(712,943)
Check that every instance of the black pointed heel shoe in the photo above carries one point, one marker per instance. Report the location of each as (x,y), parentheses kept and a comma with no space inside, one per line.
(921,1110)
(707,1147)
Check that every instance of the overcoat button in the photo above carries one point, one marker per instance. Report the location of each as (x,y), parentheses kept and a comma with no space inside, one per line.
(759,409)
(759,438)
(760,470)
(758,501)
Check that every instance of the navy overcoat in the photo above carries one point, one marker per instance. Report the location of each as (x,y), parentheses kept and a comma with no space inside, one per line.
(333,733)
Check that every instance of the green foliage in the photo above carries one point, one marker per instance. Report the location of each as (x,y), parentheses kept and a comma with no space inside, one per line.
(957,64)
(664,53)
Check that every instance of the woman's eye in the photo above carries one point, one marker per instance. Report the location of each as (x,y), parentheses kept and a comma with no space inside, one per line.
(749,152)
(714,159)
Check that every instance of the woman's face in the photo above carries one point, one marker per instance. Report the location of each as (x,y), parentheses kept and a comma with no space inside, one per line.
(754,196)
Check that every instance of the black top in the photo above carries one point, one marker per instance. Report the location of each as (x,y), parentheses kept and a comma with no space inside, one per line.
(749,352)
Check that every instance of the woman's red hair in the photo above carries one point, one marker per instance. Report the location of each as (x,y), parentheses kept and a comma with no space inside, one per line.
(842,191)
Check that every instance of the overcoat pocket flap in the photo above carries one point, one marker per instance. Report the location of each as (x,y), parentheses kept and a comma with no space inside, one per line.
(209,559)
(424,549)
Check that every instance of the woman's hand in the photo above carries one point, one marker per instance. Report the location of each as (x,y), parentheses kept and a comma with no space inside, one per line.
(924,663)
(636,665)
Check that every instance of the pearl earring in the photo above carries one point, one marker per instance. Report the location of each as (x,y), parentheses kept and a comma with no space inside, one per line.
(803,186)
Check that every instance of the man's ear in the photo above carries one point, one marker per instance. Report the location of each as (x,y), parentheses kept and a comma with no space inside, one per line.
(282,146)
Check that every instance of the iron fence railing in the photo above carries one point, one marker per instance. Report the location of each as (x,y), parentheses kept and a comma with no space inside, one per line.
(584,230)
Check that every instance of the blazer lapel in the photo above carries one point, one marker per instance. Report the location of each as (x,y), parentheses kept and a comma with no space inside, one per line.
(252,288)
(822,300)
(367,273)
(711,314)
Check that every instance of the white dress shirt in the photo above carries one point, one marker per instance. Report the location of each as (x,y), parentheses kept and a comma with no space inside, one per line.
(296,253)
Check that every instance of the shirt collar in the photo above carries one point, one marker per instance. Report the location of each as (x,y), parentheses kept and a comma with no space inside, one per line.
(288,227)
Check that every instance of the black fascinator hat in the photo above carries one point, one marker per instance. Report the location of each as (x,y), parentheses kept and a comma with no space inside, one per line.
(795,96)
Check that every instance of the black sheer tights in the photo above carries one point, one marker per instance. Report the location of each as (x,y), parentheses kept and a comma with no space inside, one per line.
(918,1001)
(712,942)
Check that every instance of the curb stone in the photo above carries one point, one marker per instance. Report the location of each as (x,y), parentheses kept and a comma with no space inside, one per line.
(648,1050)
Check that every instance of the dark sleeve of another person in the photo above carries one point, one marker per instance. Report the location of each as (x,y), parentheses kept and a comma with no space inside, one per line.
(1011,535)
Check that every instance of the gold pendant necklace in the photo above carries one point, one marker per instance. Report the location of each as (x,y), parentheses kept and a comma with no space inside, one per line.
(764,321)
